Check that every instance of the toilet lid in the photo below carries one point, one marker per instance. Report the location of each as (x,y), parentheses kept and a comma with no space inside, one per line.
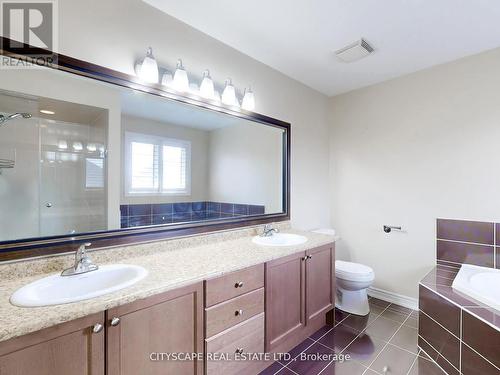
(353,271)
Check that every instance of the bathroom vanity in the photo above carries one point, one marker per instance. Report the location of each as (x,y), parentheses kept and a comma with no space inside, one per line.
(99,156)
(243,298)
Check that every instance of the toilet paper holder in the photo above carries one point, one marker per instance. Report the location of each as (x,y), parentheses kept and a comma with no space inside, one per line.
(389,228)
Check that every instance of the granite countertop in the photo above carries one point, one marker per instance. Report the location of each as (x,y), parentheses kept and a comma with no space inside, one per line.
(171,264)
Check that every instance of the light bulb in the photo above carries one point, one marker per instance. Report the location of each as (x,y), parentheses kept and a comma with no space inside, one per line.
(207,86)
(148,70)
(181,81)
(62,145)
(167,79)
(229,94)
(248,102)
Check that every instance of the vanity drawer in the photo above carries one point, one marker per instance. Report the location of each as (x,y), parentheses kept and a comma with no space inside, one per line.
(234,311)
(247,337)
(233,284)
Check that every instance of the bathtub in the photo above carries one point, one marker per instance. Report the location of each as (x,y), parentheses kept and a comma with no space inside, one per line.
(480,283)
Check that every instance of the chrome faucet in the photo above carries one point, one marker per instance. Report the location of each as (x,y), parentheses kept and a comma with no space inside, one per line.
(83,263)
(269,230)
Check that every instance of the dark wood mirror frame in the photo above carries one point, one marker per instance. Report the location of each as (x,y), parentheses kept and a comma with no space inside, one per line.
(25,248)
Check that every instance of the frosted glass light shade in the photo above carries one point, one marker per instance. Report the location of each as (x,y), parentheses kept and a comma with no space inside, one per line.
(229,94)
(207,89)
(148,69)
(248,100)
(181,81)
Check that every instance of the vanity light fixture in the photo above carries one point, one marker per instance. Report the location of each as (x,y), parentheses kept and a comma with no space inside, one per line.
(207,89)
(248,102)
(147,70)
(229,94)
(181,81)
(47,112)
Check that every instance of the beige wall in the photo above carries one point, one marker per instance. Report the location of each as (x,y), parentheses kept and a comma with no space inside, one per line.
(245,166)
(52,84)
(199,158)
(407,151)
(115,33)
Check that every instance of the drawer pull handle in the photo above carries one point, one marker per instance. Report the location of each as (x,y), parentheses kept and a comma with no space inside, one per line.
(115,321)
(239,351)
(238,312)
(239,284)
(97,328)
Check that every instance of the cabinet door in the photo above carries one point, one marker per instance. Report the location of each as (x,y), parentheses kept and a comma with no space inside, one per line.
(71,348)
(139,332)
(285,304)
(320,284)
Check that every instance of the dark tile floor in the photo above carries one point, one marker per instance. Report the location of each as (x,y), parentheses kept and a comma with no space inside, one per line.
(384,342)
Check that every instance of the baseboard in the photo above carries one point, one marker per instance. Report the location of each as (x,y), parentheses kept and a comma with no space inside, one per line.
(398,299)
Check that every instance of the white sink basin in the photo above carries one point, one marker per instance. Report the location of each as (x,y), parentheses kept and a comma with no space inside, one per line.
(57,289)
(280,239)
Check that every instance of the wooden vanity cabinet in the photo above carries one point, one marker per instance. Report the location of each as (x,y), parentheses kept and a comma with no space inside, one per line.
(299,292)
(170,322)
(73,348)
(320,284)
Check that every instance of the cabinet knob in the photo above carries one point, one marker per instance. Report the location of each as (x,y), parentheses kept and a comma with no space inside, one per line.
(97,328)
(239,284)
(304,258)
(239,351)
(238,312)
(115,321)
(309,257)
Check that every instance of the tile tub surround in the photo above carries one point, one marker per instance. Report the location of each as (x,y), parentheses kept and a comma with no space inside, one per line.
(461,334)
(171,264)
(369,347)
(135,215)
(472,242)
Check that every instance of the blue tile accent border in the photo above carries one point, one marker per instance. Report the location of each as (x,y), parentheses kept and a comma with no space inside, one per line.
(136,215)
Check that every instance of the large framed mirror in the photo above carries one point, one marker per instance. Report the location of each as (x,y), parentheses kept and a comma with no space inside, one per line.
(89,154)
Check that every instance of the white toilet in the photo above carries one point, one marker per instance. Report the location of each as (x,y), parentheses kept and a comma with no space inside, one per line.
(353,279)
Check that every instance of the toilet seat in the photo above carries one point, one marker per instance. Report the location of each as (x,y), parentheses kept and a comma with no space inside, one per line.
(353,271)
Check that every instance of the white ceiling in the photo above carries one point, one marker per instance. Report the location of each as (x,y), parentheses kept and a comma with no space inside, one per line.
(298,38)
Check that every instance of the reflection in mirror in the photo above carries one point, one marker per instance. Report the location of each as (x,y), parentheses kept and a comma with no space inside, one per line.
(79,156)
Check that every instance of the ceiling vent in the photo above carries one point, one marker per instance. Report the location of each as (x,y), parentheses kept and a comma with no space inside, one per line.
(354,51)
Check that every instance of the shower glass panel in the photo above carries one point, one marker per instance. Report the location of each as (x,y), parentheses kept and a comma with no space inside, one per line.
(72,178)
(19,142)
(53,170)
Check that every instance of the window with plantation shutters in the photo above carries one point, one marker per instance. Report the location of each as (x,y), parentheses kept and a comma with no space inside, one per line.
(157,165)
(94,173)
